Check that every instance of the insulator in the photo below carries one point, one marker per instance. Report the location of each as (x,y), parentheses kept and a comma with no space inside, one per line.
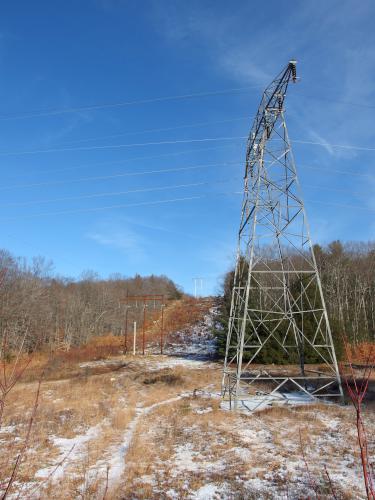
(294,70)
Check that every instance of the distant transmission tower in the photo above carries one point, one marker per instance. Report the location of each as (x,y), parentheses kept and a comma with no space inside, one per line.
(277,312)
(198,285)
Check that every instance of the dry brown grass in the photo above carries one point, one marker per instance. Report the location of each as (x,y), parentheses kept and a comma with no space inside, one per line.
(70,407)
(213,438)
(180,445)
(59,365)
(173,426)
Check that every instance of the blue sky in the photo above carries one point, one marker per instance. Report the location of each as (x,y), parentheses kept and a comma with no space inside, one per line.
(62,61)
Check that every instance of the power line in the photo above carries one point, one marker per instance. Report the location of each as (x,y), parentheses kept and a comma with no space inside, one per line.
(117,193)
(113,136)
(146,190)
(161,202)
(119,146)
(133,158)
(114,176)
(325,144)
(238,162)
(337,101)
(331,170)
(337,190)
(169,142)
(165,129)
(95,107)
(342,205)
(110,207)
(166,155)
(337,171)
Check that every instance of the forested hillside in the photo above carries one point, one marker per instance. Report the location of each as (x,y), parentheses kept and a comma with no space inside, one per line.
(348,279)
(347,273)
(52,311)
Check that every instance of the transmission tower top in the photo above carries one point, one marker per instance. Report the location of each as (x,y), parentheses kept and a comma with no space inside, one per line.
(270,108)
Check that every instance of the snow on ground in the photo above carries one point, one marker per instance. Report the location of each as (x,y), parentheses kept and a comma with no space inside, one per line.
(7,429)
(193,347)
(6,432)
(259,456)
(171,362)
(220,455)
(258,403)
(116,464)
(206,492)
(202,411)
(196,342)
(69,448)
(101,362)
(187,460)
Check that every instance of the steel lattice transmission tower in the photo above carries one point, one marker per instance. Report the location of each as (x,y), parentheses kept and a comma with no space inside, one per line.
(277,300)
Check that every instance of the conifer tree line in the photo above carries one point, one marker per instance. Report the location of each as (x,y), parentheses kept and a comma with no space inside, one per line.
(347,272)
(51,311)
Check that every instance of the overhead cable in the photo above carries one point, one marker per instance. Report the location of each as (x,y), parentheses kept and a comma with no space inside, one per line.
(118,146)
(119,175)
(171,142)
(121,104)
(161,202)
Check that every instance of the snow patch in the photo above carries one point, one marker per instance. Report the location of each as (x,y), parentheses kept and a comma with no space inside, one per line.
(188,460)
(7,429)
(202,411)
(206,492)
(69,448)
(117,462)
(243,453)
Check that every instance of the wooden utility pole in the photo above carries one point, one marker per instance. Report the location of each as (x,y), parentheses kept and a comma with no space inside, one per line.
(134,337)
(162,329)
(126,330)
(144,328)
(144,300)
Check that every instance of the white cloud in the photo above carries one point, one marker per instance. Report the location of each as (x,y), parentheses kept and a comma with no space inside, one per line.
(124,241)
(117,234)
(318,138)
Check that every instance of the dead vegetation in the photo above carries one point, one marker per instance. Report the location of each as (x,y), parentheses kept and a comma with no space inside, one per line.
(60,365)
(145,427)
(187,446)
(193,446)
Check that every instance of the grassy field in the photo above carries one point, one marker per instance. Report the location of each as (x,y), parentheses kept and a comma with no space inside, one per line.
(119,426)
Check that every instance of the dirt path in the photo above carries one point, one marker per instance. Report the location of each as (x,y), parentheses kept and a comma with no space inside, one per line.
(116,465)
